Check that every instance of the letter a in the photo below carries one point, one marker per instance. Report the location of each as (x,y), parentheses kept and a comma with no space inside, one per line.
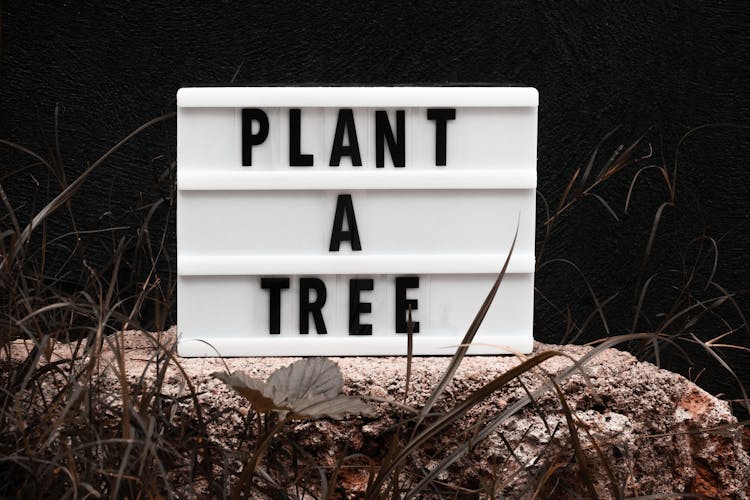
(344,208)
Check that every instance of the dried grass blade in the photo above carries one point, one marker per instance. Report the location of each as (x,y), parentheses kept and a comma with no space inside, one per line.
(594,154)
(471,332)
(576,442)
(74,186)
(606,205)
(515,407)
(464,406)
(409,352)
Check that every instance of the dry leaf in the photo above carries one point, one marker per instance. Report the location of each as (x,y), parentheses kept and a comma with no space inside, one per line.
(308,377)
(308,388)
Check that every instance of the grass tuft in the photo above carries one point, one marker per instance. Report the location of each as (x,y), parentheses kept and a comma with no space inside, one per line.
(68,431)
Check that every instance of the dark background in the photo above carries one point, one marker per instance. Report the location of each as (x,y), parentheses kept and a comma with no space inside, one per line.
(657,68)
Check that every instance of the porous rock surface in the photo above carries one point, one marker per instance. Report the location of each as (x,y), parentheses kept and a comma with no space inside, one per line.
(658,432)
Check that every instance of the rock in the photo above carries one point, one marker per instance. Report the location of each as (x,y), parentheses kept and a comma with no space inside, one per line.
(656,433)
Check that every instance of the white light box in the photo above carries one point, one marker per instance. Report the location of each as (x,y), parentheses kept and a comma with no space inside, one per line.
(311,219)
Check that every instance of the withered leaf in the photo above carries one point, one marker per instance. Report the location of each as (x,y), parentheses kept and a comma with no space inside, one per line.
(308,377)
(308,388)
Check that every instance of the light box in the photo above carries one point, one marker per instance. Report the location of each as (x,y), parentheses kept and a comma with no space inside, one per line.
(311,219)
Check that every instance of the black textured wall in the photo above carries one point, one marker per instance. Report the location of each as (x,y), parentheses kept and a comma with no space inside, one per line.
(657,67)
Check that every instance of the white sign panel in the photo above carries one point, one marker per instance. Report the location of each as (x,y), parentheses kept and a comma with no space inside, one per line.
(311,219)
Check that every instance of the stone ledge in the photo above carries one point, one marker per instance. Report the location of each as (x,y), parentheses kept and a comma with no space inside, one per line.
(651,424)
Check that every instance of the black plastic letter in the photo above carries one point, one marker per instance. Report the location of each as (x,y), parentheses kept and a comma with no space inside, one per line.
(315,308)
(249,115)
(357,307)
(297,159)
(345,123)
(403,304)
(396,145)
(344,208)
(441,117)
(274,287)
